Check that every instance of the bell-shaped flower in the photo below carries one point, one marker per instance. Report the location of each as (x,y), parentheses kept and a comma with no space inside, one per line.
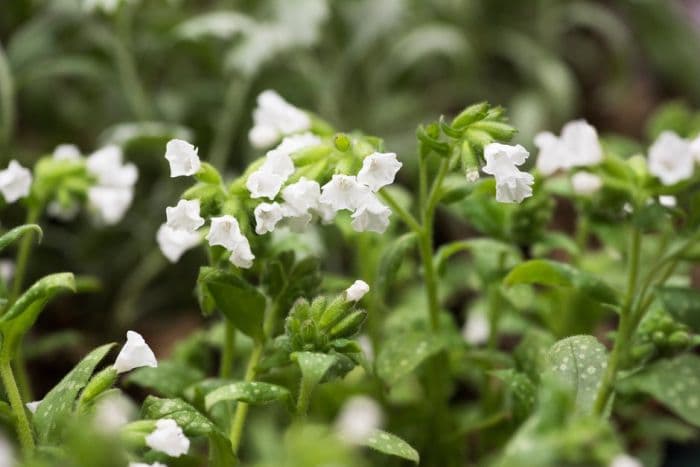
(135,354)
(359,417)
(174,243)
(264,184)
(224,231)
(274,118)
(325,212)
(668,201)
(182,157)
(372,216)
(476,329)
(586,183)
(106,164)
(169,438)
(297,221)
(378,170)
(112,413)
(344,192)
(512,185)
(356,291)
(15,182)
(241,254)
(66,152)
(671,158)
(302,196)
(578,146)
(109,203)
(267,215)
(184,215)
(625,460)
(32,406)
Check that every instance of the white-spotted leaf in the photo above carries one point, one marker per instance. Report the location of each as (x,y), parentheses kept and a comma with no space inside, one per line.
(404,353)
(313,365)
(392,445)
(192,422)
(249,392)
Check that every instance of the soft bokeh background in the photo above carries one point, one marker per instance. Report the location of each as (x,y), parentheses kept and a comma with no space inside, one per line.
(157,69)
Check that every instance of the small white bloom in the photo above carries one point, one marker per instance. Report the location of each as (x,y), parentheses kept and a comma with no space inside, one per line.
(625,460)
(184,215)
(512,185)
(302,196)
(7,453)
(241,255)
(263,184)
(224,231)
(7,270)
(586,183)
(63,213)
(578,146)
(344,192)
(695,148)
(267,215)
(274,118)
(476,329)
(182,157)
(32,406)
(372,216)
(135,354)
(279,160)
(106,164)
(668,201)
(671,158)
(109,203)
(142,464)
(174,243)
(112,413)
(326,212)
(295,220)
(66,152)
(356,291)
(358,418)
(15,182)
(378,170)
(472,175)
(366,345)
(168,438)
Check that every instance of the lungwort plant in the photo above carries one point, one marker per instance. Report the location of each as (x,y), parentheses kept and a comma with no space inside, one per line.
(488,344)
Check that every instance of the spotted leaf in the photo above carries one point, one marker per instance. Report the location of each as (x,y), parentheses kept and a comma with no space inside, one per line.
(252,393)
(392,445)
(402,354)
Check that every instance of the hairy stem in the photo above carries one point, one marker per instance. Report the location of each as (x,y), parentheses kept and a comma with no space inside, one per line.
(25,249)
(24,430)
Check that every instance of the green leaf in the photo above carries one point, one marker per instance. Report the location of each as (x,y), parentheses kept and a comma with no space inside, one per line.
(673,382)
(41,291)
(531,353)
(17,232)
(241,303)
(681,303)
(249,392)
(169,378)
(403,353)
(521,392)
(392,445)
(556,274)
(192,422)
(220,451)
(579,361)
(391,261)
(57,406)
(314,365)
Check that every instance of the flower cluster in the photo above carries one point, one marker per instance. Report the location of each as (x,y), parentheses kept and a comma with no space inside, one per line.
(274,118)
(15,182)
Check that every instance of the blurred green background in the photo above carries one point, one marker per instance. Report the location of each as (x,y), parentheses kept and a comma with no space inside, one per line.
(154,69)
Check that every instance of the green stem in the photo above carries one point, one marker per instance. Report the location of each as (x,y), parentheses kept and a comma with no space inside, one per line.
(234,101)
(126,67)
(625,327)
(228,351)
(304,398)
(25,248)
(7,101)
(24,430)
(405,216)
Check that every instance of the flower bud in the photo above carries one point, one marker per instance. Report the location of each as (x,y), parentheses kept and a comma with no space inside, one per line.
(334,313)
(341,142)
(350,325)
(470,164)
(497,130)
(471,114)
(679,340)
(208,174)
(99,384)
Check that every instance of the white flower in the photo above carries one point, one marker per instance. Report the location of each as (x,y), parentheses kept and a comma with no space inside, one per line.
(302,196)
(135,354)
(586,183)
(7,453)
(7,270)
(142,464)
(267,215)
(378,170)
(356,291)
(274,118)
(295,220)
(66,152)
(358,418)
(168,438)
(476,329)
(344,192)
(512,185)
(182,157)
(112,413)
(15,182)
(107,166)
(366,345)
(174,243)
(63,212)
(372,216)
(695,148)
(224,231)
(279,160)
(625,460)
(184,215)
(668,201)
(109,203)
(241,255)
(578,146)
(671,158)
(326,212)
(32,406)
(263,184)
